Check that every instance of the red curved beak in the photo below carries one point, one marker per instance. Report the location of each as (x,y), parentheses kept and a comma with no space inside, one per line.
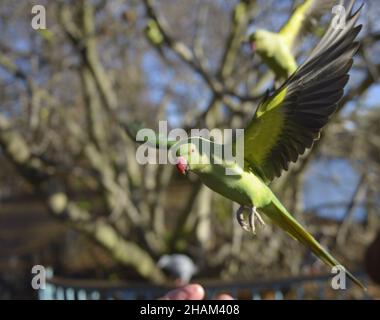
(182,165)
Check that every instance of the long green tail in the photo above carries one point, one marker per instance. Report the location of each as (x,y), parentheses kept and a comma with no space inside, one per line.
(283,219)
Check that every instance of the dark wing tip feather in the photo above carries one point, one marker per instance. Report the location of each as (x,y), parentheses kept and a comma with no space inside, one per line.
(313,93)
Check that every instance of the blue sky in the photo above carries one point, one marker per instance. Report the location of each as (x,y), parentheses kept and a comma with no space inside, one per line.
(330,181)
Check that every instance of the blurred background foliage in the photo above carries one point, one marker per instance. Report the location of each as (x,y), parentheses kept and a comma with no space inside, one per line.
(72,195)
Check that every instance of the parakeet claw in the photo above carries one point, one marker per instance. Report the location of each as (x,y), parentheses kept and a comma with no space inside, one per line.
(253,214)
(240,218)
(251,218)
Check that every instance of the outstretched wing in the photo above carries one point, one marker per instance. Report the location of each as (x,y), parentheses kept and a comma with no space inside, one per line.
(304,17)
(287,122)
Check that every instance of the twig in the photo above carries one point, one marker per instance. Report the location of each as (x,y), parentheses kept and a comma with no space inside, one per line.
(347,219)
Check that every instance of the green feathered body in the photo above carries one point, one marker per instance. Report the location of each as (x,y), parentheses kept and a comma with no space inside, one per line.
(275,53)
(244,187)
(285,124)
(247,189)
(276,48)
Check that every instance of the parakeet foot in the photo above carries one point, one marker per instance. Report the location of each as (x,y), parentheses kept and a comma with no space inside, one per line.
(253,214)
(240,218)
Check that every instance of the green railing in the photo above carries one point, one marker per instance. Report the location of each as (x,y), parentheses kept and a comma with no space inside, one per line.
(308,287)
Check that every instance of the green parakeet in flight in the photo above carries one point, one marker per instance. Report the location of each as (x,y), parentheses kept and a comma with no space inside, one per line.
(275,49)
(285,124)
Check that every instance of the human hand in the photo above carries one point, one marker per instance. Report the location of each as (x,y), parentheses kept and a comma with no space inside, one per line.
(191,292)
